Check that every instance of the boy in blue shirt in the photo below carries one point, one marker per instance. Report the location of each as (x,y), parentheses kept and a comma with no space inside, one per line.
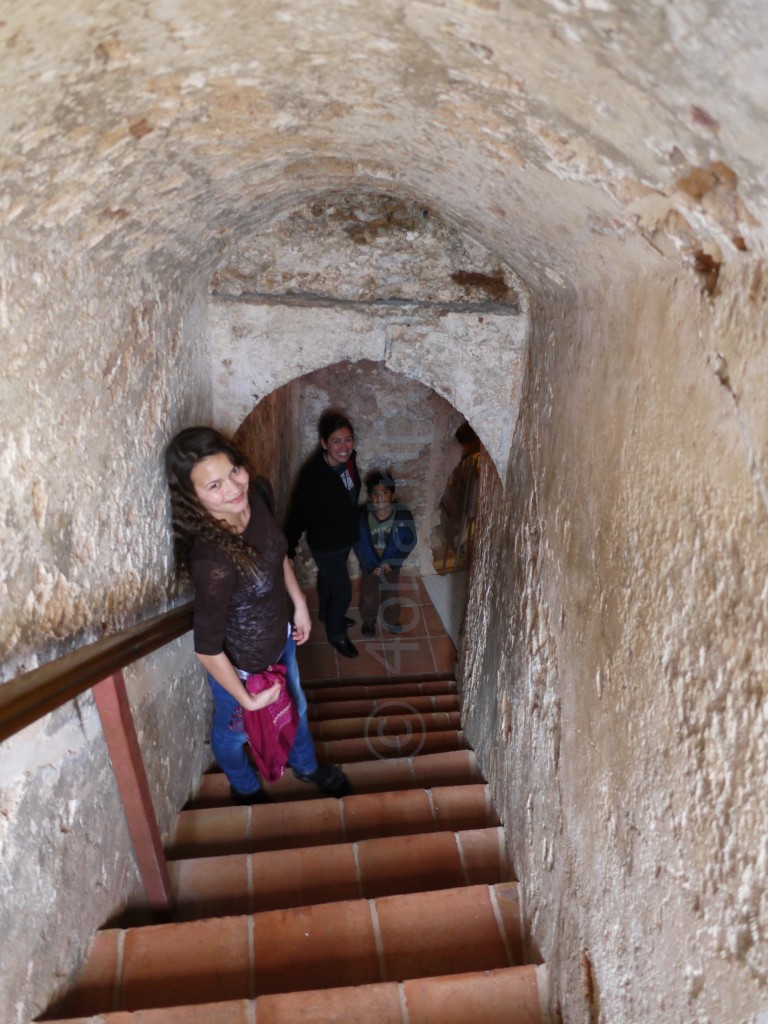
(387,536)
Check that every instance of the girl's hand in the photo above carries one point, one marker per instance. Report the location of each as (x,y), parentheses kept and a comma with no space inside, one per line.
(302,624)
(301,621)
(257,701)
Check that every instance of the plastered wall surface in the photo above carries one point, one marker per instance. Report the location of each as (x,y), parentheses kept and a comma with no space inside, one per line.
(626,737)
(384,280)
(160,162)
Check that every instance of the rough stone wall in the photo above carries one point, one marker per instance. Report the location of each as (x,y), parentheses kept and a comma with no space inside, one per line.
(625,735)
(367,248)
(99,370)
(66,859)
(269,437)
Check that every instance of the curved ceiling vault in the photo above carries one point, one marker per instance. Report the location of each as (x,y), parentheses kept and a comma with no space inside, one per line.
(561,134)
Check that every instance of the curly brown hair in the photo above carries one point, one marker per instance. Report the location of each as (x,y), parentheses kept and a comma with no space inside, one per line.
(189,520)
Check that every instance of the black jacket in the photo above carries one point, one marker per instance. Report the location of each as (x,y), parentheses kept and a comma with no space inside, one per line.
(323,507)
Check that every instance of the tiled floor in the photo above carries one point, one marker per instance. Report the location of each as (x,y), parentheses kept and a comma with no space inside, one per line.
(423,650)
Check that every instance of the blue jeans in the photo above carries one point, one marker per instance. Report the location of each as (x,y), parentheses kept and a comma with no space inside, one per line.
(229,739)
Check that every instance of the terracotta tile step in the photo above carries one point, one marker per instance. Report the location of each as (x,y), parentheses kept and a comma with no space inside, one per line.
(405,725)
(377,747)
(327,945)
(507,995)
(246,883)
(454,767)
(225,830)
(392,688)
(318,684)
(382,706)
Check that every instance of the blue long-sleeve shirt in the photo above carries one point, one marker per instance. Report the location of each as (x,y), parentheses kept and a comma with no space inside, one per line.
(400,543)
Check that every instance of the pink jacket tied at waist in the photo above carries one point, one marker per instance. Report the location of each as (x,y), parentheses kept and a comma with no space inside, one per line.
(271,730)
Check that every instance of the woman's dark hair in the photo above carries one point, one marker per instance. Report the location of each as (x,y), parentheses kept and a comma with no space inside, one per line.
(189,519)
(376,477)
(331,421)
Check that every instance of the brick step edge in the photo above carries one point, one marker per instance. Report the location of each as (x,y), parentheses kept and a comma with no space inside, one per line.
(506,995)
(246,883)
(214,831)
(374,707)
(397,722)
(336,691)
(416,677)
(425,771)
(354,942)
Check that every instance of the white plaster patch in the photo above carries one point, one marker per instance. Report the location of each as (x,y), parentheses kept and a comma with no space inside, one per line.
(474,360)
(33,749)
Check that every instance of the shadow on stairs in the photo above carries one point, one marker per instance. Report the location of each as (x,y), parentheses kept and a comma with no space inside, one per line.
(390,906)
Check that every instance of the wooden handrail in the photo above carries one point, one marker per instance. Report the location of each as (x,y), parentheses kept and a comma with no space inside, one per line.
(28,697)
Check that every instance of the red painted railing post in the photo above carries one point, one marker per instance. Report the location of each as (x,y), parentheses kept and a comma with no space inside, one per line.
(128,766)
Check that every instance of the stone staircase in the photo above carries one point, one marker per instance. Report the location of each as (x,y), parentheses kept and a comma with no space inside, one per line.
(393,904)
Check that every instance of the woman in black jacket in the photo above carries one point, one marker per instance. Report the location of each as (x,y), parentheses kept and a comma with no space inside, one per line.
(324,506)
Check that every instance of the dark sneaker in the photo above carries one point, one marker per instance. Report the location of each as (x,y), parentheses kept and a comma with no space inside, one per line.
(349,622)
(394,628)
(329,779)
(259,796)
(369,627)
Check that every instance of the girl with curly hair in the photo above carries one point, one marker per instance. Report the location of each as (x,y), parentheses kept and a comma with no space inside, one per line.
(226,540)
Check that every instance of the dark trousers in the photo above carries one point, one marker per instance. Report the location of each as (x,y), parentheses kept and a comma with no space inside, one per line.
(376,591)
(334,590)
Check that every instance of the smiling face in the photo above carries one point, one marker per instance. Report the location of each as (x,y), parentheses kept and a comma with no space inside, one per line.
(221,488)
(381,500)
(339,446)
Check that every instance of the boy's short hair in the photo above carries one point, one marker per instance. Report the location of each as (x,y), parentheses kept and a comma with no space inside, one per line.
(376,477)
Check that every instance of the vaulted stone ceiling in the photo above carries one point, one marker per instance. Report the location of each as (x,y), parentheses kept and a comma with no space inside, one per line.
(572,136)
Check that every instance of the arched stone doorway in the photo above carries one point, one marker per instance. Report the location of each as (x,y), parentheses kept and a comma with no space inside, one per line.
(345,278)
(375,304)
(401,426)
